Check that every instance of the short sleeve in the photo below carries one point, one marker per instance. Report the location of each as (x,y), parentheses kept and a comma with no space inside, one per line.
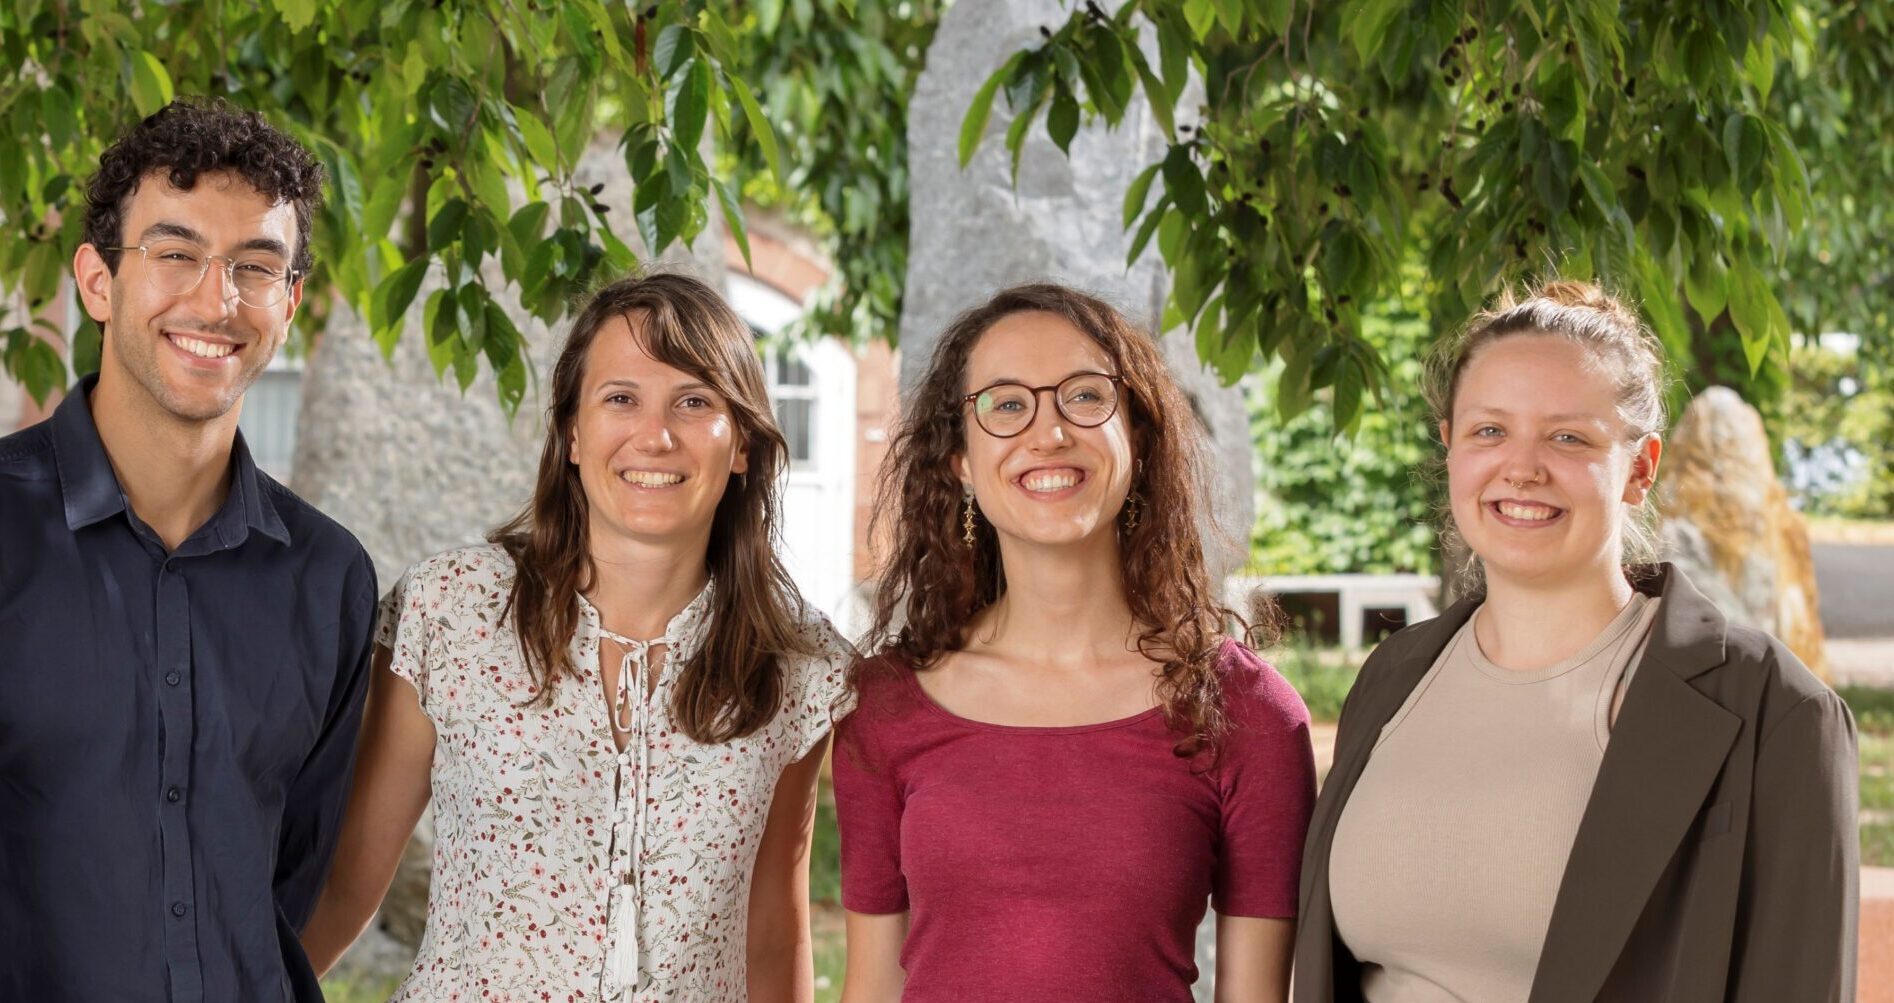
(1266,780)
(818,693)
(401,626)
(868,805)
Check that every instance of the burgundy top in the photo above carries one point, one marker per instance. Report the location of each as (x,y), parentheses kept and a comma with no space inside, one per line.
(1042,864)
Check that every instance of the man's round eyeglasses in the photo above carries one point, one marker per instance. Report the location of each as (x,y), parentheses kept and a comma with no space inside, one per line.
(176,269)
(1004,410)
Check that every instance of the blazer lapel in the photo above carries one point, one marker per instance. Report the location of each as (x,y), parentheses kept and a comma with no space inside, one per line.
(1666,751)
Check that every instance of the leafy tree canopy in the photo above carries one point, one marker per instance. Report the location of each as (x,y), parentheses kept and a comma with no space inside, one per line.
(451,132)
(1725,163)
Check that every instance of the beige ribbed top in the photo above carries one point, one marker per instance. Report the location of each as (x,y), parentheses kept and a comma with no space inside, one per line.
(1447,859)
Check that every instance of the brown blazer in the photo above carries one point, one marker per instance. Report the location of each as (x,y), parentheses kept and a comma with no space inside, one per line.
(1717,859)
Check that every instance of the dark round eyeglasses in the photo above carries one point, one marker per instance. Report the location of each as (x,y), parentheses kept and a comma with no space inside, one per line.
(1004,410)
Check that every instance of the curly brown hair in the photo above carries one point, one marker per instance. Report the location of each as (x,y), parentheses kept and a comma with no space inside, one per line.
(191,137)
(932,584)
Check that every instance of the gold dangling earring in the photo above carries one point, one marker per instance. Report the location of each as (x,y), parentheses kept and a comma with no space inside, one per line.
(966,520)
(1134,502)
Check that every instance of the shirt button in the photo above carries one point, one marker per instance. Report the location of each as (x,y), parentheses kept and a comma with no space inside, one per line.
(178,909)
(173,677)
(173,795)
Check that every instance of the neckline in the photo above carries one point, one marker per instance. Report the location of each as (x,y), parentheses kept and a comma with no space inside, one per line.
(1611,633)
(681,630)
(912,680)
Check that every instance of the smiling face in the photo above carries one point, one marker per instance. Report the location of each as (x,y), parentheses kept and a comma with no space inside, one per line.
(655,446)
(191,354)
(1055,482)
(1540,464)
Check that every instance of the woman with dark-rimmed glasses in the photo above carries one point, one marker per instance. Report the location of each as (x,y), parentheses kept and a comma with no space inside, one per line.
(1059,756)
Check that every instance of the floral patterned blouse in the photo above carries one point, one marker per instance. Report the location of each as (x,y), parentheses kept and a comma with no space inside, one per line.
(564,869)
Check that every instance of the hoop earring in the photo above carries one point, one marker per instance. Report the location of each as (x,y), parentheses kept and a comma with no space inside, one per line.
(966,520)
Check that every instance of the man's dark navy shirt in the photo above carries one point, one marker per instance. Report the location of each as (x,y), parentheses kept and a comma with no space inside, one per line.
(177,729)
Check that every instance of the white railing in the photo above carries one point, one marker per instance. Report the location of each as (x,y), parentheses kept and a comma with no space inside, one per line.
(1415,595)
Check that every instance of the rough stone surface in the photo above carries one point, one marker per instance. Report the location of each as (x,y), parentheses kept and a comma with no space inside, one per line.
(413,467)
(974,233)
(1728,524)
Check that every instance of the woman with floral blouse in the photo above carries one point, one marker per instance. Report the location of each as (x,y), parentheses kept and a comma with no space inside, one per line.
(619,706)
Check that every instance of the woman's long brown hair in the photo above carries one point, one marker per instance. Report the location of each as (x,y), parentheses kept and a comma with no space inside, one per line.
(733,684)
(932,584)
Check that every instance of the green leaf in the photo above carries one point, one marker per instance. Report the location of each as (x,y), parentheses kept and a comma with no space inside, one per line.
(1156,94)
(396,293)
(1759,66)
(512,384)
(87,346)
(444,226)
(1016,140)
(723,44)
(1706,285)
(676,44)
(466,364)
(503,339)
(690,105)
(537,138)
(1062,120)
(1345,258)
(528,224)
(1183,182)
(1597,187)
(35,363)
(733,220)
(297,14)
(1276,15)
(1292,387)
(1368,27)
(1136,194)
(760,127)
(573,124)
(1658,292)
(1201,15)
(1174,48)
(1751,306)
(1745,145)
(1230,13)
(1347,396)
(1151,221)
(973,126)
(440,319)
(151,85)
(1029,83)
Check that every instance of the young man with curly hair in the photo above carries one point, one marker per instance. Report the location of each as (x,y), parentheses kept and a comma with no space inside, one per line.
(183,642)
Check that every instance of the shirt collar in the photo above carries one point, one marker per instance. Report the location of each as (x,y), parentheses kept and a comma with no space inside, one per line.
(92,493)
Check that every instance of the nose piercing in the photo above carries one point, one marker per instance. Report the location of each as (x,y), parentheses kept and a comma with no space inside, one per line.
(1517,485)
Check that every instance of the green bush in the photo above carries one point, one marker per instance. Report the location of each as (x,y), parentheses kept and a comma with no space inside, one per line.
(1359,502)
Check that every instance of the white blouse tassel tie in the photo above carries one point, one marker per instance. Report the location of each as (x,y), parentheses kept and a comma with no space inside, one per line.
(631,712)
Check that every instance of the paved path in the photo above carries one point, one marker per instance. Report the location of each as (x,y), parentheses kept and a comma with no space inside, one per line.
(1861,661)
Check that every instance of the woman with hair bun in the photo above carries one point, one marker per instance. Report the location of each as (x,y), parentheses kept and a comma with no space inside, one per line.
(1583,783)
(1060,756)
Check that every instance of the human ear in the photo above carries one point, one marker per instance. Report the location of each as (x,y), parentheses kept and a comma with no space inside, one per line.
(1644,459)
(94,281)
